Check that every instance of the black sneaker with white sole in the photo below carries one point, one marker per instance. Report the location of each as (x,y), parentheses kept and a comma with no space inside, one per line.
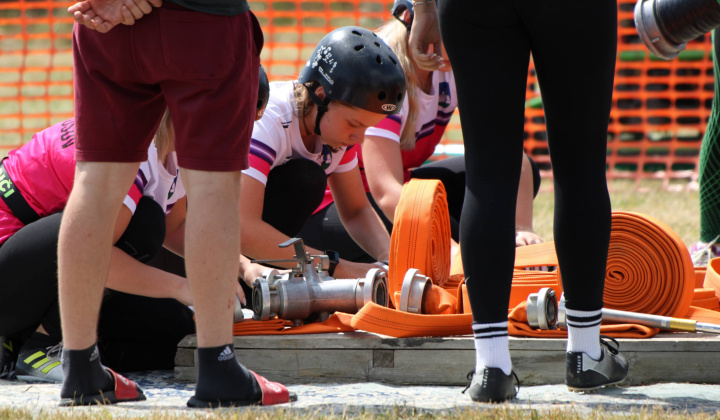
(583,373)
(493,385)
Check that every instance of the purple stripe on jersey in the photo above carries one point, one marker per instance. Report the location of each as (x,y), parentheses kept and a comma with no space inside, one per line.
(140,181)
(263,147)
(425,132)
(261,155)
(427,125)
(169,207)
(443,118)
(395,118)
(349,147)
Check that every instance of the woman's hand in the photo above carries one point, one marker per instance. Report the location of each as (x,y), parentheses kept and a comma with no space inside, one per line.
(424,38)
(249,272)
(527,237)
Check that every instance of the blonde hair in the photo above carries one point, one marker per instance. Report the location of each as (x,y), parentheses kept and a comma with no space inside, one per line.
(162,135)
(395,34)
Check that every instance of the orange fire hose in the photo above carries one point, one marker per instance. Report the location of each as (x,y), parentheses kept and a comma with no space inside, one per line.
(648,271)
(421,235)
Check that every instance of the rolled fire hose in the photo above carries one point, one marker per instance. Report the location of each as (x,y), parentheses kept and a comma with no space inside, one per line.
(665,26)
(649,269)
(540,304)
(421,236)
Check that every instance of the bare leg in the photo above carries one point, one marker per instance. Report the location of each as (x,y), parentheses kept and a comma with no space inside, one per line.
(84,246)
(212,246)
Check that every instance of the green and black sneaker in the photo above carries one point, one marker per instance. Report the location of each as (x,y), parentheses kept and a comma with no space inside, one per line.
(39,360)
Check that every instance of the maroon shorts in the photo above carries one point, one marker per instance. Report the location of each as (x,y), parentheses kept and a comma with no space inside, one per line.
(203,67)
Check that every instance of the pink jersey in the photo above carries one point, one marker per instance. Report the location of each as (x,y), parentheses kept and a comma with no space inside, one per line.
(44,169)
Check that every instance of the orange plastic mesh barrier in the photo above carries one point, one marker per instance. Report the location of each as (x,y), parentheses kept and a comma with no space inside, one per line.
(657,121)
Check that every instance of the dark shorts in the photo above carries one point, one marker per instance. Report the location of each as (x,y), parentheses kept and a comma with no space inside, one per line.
(203,67)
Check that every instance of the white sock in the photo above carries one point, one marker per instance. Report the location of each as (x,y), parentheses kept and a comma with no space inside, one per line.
(491,347)
(584,332)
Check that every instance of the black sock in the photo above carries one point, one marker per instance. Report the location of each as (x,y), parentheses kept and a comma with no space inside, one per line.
(84,375)
(222,378)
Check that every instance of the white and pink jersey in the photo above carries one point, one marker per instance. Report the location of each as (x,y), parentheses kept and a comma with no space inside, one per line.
(44,169)
(276,139)
(434,112)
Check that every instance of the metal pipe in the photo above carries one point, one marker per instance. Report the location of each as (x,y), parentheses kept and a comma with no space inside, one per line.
(648,320)
(309,290)
(542,306)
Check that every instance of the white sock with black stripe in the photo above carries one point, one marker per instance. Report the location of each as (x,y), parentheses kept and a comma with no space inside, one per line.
(584,332)
(491,347)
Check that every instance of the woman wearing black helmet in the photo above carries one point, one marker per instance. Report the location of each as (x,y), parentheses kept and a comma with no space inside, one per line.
(307,137)
(396,150)
(490,44)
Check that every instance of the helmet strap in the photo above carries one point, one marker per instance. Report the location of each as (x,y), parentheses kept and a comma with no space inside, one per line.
(322,107)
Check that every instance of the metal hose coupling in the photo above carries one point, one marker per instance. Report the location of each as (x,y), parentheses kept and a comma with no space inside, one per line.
(613,315)
(542,309)
(309,290)
(665,26)
(413,292)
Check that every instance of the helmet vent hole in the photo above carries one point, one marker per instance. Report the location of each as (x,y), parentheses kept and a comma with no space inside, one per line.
(359,47)
(382,95)
(357,33)
(393,61)
(378,59)
(377,44)
(399,97)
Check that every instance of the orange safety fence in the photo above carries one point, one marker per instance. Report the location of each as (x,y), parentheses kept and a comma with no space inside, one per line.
(657,121)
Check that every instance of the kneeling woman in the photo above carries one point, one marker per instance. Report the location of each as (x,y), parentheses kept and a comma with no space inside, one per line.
(307,138)
(136,332)
(396,150)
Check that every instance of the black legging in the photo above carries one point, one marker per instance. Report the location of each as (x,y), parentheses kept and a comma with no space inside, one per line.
(325,230)
(574,45)
(29,297)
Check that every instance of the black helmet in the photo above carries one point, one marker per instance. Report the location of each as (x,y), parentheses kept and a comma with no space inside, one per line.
(354,65)
(263,90)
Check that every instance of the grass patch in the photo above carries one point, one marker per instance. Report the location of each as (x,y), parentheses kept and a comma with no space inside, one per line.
(678,209)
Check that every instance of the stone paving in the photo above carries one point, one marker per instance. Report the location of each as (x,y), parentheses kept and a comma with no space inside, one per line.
(169,396)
